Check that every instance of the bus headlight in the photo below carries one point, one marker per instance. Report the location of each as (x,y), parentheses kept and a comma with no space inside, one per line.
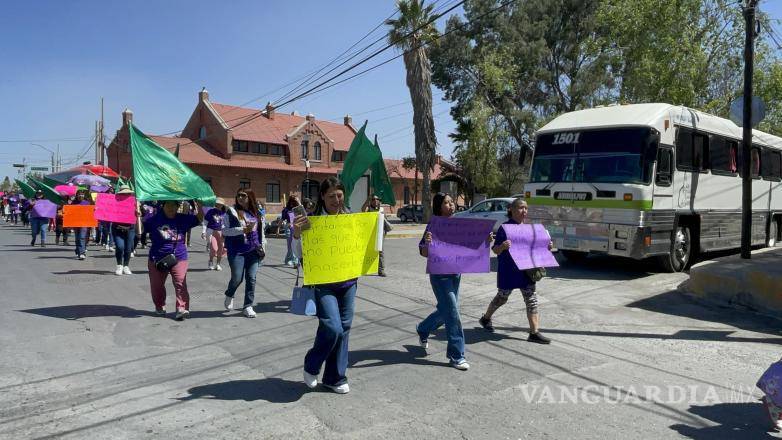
(628,197)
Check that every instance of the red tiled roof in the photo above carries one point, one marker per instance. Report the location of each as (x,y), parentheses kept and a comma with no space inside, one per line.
(273,131)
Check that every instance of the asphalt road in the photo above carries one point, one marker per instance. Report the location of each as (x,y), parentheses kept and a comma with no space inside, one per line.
(83,357)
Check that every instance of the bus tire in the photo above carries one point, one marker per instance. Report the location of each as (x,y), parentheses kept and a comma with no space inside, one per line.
(773,231)
(680,254)
(574,256)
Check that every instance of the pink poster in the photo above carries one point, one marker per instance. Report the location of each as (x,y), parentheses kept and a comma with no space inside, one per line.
(116,208)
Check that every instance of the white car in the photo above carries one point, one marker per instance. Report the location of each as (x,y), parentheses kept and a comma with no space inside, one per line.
(495,209)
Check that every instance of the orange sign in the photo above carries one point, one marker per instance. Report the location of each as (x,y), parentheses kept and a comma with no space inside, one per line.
(78,216)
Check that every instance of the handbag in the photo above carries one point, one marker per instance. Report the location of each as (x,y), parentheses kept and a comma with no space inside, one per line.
(261,253)
(303,299)
(166,263)
(536,274)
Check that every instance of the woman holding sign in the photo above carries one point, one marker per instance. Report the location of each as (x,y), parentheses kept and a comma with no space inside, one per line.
(509,277)
(168,254)
(244,241)
(335,303)
(38,221)
(81,234)
(124,236)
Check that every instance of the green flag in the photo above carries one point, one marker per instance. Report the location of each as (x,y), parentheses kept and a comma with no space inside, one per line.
(381,183)
(27,190)
(48,192)
(361,156)
(159,175)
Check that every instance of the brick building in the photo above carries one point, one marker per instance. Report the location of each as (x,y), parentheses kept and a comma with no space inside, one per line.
(275,154)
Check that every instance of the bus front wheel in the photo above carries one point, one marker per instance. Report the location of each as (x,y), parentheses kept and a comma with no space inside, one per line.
(681,251)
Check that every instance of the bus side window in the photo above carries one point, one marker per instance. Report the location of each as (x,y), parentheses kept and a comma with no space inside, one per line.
(664,167)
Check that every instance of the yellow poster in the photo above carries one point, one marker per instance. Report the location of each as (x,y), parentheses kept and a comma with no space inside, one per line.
(339,247)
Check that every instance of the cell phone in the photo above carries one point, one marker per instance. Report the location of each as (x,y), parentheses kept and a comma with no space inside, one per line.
(299,211)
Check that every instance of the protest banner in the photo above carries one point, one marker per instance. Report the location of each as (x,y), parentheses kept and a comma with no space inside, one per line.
(339,247)
(44,209)
(116,208)
(529,246)
(79,216)
(459,245)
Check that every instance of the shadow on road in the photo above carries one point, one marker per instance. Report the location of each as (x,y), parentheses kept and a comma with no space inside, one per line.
(412,355)
(88,311)
(686,335)
(271,389)
(735,421)
(280,306)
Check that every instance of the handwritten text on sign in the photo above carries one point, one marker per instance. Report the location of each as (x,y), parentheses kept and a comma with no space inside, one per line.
(529,246)
(78,216)
(339,247)
(459,245)
(116,208)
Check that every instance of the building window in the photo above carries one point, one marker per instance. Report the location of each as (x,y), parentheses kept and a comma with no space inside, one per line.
(244,184)
(305,147)
(202,132)
(255,147)
(272,193)
(407,195)
(338,156)
(275,150)
(316,150)
(240,146)
(263,148)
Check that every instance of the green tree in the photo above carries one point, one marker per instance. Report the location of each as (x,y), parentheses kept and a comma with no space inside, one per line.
(475,150)
(410,32)
(6,185)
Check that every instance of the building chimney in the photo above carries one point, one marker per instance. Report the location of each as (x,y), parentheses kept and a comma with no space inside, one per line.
(127,117)
(348,120)
(310,117)
(269,110)
(203,95)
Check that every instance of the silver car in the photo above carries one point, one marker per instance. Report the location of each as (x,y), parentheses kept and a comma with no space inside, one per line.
(495,209)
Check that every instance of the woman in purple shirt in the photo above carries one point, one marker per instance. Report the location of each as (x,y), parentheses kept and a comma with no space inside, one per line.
(212,232)
(243,240)
(167,231)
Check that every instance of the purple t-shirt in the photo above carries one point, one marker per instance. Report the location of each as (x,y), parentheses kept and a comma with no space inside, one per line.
(214,219)
(168,235)
(509,277)
(244,243)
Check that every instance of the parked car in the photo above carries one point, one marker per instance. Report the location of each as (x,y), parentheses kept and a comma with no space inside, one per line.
(272,227)
(410,212)
(495,209)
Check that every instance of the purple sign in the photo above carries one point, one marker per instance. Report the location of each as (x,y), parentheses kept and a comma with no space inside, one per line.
(44,209)
(459,245)
(529,246)
(291,216)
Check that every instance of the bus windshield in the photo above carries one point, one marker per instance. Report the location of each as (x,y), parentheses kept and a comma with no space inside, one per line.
(616,155)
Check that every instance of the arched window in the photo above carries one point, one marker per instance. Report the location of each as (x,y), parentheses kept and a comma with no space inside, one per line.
(202,132)
(305,149)
(317,150)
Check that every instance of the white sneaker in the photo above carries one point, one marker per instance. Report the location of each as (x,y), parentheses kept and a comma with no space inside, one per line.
(218,267)
(126,271)
(310,380)
(339,389)
(461,365)
(228,303)
(133,254)
(249,312)
(211,266)
(182,314)
(118,271)
(82,256)
(106,247)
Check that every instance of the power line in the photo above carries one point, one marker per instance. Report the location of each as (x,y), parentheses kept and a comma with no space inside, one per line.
(21,141)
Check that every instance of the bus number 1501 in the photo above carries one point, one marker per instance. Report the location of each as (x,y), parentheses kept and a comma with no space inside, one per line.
(566,138)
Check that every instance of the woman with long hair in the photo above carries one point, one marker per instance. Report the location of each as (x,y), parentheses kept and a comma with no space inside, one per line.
(243,239)
(291,260)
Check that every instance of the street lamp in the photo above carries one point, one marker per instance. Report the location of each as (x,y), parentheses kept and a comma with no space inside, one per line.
(54,164)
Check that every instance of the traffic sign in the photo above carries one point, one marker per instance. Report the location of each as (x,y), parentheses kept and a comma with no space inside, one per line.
(737,111)
(39,168)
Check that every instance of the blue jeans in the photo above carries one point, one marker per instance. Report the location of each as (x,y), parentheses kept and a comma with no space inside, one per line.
(335,316)
(243,266)
(103,233)
(290,257)
(446,290)
(80,236)
(123,244)
(38,226)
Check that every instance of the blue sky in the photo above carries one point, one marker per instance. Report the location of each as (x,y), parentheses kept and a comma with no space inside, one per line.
(60,57)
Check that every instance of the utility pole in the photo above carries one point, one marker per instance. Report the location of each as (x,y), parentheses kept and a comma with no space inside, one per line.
(746,153)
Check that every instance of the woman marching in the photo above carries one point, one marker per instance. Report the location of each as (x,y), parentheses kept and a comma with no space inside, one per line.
(212,232)
(244,241)
(509,277)
(124,236)
(446,291)
(81,235)
(335,304)
(290,257)
(168,253)
(38,223)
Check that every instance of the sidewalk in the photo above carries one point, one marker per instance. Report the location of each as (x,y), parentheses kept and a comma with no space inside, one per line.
(405,230)
(754,283)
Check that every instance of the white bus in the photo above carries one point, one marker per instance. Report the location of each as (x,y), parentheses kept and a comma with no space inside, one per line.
(651,180)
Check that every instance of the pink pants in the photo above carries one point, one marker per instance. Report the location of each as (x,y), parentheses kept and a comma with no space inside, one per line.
(157,284)
(216,245)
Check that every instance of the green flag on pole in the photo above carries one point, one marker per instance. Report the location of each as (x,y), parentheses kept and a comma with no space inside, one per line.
(48,192)
(27,190)
(159,175)
(381,183)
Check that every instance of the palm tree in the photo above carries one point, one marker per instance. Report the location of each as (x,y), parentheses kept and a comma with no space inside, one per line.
(410,32)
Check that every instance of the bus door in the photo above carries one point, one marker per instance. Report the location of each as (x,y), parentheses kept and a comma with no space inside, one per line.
(663,179)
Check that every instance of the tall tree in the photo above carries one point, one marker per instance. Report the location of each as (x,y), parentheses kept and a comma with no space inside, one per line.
(6,185)
(410,32)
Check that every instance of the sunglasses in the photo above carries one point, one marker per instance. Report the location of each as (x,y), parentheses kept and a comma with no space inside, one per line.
(241,195)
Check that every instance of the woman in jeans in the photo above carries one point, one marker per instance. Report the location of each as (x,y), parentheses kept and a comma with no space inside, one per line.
(446,291)
(212,232)
(167,231)
(291,260)
(243,239)
(38,223)
(335,303)
(81,235)
(124,236)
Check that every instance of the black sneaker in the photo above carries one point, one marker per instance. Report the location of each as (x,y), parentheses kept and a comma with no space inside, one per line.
(538,338)
(486,324)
